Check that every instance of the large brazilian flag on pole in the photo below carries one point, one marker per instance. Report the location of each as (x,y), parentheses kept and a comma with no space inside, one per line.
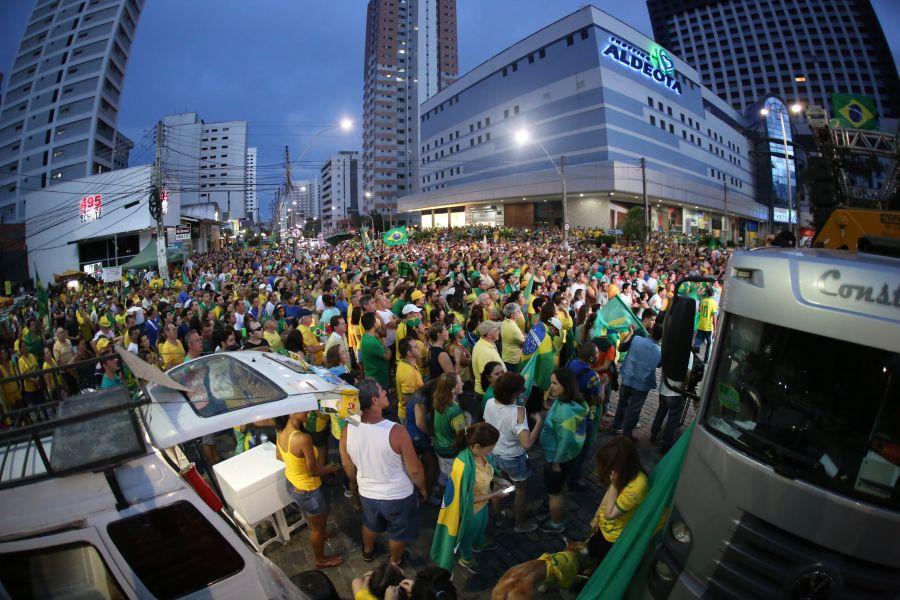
(395,237)
(854,111)
(614,318)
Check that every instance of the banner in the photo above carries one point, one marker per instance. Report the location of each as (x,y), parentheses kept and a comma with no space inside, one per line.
(855,111)
(615,317)
(111,274)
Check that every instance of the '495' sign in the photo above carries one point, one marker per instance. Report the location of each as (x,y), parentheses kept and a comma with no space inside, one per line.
(91,208)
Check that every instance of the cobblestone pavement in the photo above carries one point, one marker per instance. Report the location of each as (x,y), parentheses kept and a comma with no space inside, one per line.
(344,526)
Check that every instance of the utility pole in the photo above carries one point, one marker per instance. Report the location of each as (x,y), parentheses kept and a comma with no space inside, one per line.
(565,204)
(161,262)
(289,185)
(725,212)
(646,202)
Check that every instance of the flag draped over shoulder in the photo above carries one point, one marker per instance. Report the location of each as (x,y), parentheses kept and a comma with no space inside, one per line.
(571,433)
(615,317)
(456,510)
(613,576)
(395,237)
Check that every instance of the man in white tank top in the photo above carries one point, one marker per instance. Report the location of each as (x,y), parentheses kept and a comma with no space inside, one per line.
(380,455)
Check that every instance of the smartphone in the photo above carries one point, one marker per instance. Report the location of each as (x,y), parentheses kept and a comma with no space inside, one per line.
(509,490)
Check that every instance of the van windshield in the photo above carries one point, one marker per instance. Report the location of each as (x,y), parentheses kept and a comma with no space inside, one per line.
(220,383)
(818,409)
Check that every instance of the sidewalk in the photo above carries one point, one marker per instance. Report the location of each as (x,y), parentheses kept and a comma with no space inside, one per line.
(344,526)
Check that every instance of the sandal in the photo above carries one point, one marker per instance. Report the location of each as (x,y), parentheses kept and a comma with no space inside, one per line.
(330,561)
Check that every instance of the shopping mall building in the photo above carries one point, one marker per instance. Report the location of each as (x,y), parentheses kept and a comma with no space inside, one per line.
(590,98)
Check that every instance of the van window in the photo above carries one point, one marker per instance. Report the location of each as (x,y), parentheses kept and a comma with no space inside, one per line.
(820,409)
(67,571)
(174,550)
(221,383)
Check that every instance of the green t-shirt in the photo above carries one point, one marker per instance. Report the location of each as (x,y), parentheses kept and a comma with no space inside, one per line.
(488,394)
(397,307)
(446,424)
(371,354)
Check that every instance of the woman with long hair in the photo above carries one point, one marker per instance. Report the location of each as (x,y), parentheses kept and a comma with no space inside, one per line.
(620,469)
(439,359)
(449,418)
(476,316)
(562,440)
(303,480)
(492,370)
(468,492)
(456,345)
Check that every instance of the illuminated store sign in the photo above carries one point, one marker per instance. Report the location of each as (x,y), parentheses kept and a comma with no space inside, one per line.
(91,208)
(657,65)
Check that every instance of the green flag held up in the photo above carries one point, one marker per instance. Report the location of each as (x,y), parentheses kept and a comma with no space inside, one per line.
(613,576)
(41,294)
(367,242)
(395,237)
(615,317)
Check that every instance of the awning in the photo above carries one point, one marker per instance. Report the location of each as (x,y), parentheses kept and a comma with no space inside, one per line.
(147,257)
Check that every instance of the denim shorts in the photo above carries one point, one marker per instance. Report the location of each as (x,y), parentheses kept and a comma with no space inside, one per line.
(398,517)
(311,503)
(516,468)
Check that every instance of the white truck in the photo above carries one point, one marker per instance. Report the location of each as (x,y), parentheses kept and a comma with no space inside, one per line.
(95,502)
(791,484)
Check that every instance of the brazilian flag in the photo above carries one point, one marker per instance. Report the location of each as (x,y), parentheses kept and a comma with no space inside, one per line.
(854,111)
(395,237)
(456,510)
(40,293)
(615,317)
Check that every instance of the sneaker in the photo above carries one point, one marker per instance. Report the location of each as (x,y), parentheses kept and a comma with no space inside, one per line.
(368,556)
(526,528)
(347,493)
(470,566)
(549,526)
(487,544)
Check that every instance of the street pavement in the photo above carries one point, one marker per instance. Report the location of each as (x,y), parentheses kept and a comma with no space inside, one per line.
(344,526)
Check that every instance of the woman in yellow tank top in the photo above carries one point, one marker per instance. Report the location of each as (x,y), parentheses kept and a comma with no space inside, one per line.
(303,479)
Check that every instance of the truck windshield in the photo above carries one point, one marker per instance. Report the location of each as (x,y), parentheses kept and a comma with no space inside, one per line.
(819,409)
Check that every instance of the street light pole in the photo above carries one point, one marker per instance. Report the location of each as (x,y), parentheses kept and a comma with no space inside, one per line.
(522,137)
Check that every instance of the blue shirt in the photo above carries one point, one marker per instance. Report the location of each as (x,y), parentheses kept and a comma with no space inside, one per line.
(639,369)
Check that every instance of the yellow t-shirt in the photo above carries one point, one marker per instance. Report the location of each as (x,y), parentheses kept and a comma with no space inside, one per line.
(274,340)
(612,291)
(483,477)
(628,501)
(408,381)
(562,568)
(310,339)
(707,311)
(172,353)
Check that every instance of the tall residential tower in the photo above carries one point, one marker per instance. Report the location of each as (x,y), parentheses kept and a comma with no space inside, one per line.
(410,55)
(799,50)
(62,99)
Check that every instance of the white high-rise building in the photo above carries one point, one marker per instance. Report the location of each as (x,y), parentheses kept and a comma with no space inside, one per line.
(341,189)
(411,54)
(308,198)
(252,204)
(62,96)
(207,162)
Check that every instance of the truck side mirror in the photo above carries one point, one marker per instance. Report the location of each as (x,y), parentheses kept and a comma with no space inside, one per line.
(678,335)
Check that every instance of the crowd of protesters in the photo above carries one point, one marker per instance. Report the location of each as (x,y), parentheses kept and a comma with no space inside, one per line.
(435,335)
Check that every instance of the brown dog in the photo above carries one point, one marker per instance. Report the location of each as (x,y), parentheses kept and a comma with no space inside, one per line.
(560,569)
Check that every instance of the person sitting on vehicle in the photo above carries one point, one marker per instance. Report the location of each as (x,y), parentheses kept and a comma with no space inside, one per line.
(303,480)
(619,468)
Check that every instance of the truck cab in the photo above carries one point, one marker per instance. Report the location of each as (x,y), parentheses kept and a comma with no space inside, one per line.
(93,501)
(790,487)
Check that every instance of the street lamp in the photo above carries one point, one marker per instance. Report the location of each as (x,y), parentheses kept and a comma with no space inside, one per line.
(523,138)
(795,108)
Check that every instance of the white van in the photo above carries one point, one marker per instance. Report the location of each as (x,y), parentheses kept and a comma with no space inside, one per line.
(92,501)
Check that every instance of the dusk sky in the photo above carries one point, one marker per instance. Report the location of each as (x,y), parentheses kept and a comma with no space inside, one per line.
(293,67)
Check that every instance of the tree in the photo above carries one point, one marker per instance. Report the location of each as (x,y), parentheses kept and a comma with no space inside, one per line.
(634,226)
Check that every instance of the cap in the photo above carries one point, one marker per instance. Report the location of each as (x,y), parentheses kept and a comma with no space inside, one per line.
(454,329)
(102,343)
(556,323)
(411,308)
(104,322)
(304,312)
(471,297)
(416,295)
(485,327)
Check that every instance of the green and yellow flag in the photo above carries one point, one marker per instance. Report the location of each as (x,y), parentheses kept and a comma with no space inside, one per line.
(367,242)
(395,237)
(456,510)
(40,293)
(855,111)
(615,317)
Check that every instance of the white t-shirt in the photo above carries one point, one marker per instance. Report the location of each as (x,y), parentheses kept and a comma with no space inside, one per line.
(505,419)
(665,391)
(655,302)
(138,313)
(239,321)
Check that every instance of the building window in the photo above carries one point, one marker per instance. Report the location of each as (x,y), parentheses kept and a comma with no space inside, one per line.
(684,134)
(542,53)
(669,110)
(584,34)
(671,128)
(516,109)
(504,71)
(650,101)
(570,40)
(653,120)
(530,59)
